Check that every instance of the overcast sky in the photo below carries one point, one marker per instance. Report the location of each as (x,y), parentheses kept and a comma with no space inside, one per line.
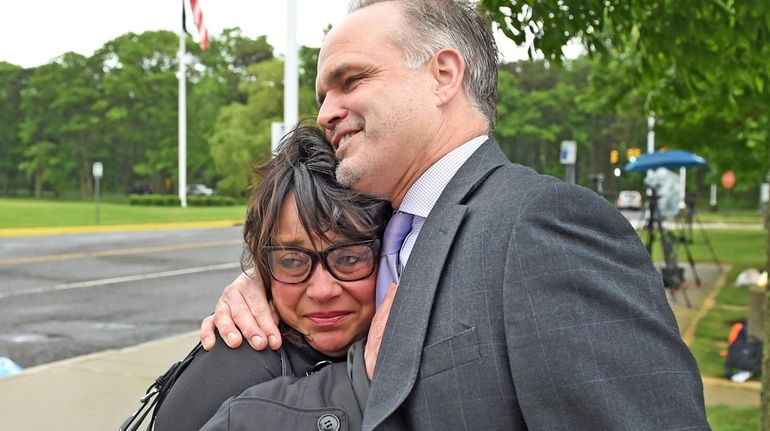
(32,32)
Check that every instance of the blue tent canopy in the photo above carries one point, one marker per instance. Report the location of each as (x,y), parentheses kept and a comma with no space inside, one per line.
(665,159)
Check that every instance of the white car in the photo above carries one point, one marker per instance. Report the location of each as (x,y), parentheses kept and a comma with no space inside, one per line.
(199,190)
(629,199)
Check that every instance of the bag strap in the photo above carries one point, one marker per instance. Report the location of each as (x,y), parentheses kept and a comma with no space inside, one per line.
(156,393)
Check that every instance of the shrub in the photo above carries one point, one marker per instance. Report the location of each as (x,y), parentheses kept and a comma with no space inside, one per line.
(173,200)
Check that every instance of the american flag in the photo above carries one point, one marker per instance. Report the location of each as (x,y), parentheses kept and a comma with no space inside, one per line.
(203,32)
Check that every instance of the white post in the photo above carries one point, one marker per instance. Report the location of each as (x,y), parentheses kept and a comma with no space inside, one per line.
(182,177)
(713,196)
(290,69)
(682,187)
(651,133)
(97,170)
(276,133)
(650,140)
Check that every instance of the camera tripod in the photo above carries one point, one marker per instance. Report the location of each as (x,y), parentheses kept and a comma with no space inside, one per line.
(687,220)
(672,272)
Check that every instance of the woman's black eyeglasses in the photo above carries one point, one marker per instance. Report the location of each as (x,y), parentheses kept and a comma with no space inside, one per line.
(346,262)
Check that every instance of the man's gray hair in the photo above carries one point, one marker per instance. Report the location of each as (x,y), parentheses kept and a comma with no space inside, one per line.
(430,25)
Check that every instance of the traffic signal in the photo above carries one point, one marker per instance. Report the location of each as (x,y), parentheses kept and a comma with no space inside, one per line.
(632,153)
(614,157)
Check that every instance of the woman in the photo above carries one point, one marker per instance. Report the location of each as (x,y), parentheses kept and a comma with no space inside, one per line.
(315,243)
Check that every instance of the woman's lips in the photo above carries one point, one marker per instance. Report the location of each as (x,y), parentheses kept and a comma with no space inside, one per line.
(327,319)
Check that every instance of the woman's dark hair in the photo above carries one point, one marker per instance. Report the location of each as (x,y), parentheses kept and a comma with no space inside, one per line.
(304,164)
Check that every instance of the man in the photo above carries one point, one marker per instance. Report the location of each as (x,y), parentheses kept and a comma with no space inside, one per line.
(524,303)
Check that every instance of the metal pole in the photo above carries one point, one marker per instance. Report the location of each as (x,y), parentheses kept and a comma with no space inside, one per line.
(682,186)
(569,173)
(96,195)
(291,69)
(651,133)
(182,180)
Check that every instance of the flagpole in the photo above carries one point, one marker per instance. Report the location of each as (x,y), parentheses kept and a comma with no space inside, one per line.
(182,180)
(291,69)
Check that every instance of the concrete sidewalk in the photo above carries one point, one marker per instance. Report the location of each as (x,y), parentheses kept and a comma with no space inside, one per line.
(95,392)
(98,391)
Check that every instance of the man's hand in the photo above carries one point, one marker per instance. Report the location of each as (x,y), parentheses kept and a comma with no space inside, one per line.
(377,329)
(243,305)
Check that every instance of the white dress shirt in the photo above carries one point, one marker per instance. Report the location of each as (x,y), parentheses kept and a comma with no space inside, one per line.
(422,196)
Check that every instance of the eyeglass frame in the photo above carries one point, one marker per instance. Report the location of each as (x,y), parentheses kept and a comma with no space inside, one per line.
(321,256)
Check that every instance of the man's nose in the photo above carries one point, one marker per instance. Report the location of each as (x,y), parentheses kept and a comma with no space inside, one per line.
(322,286)
(331,112)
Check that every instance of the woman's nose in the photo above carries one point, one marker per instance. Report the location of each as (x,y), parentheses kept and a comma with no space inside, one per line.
(322,286)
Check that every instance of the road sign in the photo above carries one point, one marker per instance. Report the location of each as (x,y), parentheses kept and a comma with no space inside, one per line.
(97,169)
(568,153)
(728,180)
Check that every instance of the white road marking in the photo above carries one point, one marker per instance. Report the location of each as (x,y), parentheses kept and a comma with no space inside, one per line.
(123,279)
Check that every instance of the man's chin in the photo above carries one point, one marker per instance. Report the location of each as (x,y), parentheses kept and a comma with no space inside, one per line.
(346,176)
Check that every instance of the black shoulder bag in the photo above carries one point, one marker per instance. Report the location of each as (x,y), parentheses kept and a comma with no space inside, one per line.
(156,393)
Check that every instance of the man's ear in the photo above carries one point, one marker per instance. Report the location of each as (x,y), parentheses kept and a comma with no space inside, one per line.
(448,71)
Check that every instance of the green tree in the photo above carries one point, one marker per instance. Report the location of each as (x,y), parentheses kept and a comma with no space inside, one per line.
(12,79)
(136,73)
(242,135)
(56,105)
(700,66)
(214,86)
(40,163)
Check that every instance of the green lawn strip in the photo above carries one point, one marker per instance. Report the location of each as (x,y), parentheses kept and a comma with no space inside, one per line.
(731,216)
(743,248)
(18,213)
(730,418)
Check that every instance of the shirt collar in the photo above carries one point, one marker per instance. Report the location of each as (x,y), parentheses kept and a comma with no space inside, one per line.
(422,196)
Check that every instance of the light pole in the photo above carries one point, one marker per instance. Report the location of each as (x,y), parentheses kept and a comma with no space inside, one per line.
(97,170)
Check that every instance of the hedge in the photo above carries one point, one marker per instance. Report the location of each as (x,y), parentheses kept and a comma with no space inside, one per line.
(173,200)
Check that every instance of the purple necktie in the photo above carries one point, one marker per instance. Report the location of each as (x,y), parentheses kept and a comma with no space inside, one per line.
(398,227)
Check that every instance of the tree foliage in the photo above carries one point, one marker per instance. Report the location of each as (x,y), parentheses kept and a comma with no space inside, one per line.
(119,106)
(700,66)
(12,80)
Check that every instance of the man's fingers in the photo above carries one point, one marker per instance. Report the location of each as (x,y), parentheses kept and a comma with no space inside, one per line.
(207,332)
(225,325)
(260,326)
(243,311)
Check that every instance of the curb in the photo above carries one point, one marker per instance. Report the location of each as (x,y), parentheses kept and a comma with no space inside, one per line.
(64,230)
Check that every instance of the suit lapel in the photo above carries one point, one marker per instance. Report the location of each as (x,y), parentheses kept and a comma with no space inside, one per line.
(398,361)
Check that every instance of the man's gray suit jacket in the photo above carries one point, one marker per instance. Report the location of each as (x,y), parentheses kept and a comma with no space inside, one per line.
(530,304)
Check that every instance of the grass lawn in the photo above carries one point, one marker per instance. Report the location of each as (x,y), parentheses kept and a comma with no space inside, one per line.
(724,418)
(742,248)
(730,216)
(15,213)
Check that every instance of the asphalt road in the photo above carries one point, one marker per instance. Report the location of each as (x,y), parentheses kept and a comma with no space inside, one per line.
(69,295)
